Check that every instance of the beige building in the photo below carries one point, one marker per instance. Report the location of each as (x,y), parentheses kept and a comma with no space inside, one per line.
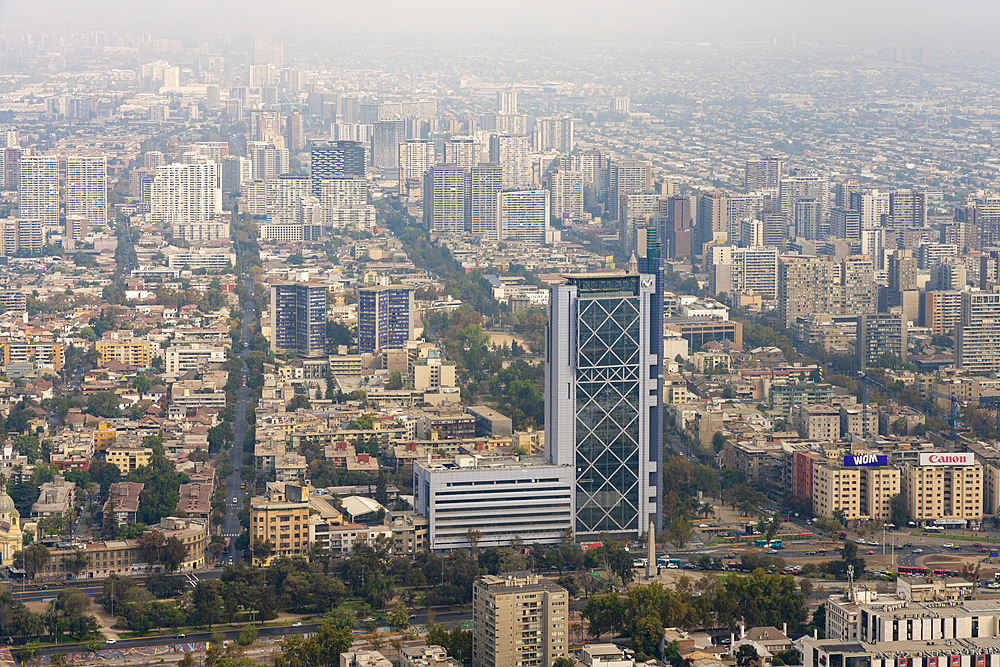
(817,422)
(852,420)
(936,491)
(519,620)
(133,353)
(836,488)
(127,458)
(863,492)
(282,516)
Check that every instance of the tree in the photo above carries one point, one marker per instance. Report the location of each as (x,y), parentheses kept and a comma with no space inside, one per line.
(718,440)
(205,601)
(262,549)
(248,636)
(104,474)
(104,404)
(900,511)
(395,381)
(746,656)
(33,558)
(174,553)
(76,563)
(149,546)
(680,532)
(563,661)
(399,618)
(840,516)
(321,650)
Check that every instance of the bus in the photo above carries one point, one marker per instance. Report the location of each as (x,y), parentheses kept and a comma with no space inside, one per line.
(760,544)
(775,543)
(933,529)
(665,561)
(909,571)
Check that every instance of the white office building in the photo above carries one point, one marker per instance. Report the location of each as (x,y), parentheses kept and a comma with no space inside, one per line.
(523,215)
(186,193)
(87,188)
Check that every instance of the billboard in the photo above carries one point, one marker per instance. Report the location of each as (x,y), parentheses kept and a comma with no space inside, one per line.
(966,459)
(867,460)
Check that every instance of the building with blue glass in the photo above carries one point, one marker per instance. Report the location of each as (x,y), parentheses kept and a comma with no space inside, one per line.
(298,319)
(603,397)
(385,317)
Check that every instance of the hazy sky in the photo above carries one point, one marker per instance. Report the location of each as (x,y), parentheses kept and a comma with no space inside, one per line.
(966,22)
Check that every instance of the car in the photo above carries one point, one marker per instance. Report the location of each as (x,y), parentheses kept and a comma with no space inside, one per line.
(810,553)
(180,635)
(918,551)
(110,641)
(977,544)
(869,553)
(672,566)
(236,501)
(948,545)
(689,566)
(772,551)
(703,525)
(297,624)
(984,551)
(821,551)
(731,554)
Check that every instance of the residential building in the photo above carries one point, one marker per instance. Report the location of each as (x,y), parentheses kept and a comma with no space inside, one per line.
(977,344)
(502,498)
(523,215)
(128,458)
(600,373)
(55,498)
(416,157)
(123,503)
(763,174)
(281,516)
(485,182)
(131,352)
(186,193)
(38,189)
(387,135)
(298,319)
(943,489)
(444,198)
(183,357)
(385,317)
(510,151)
(566,188)
(817,422)
(521,619)
(880,334)
(627,177)
(808,285)
(339,158)
(941,311)
(87,188)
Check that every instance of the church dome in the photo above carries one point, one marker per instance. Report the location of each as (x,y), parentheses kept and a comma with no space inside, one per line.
(6,504)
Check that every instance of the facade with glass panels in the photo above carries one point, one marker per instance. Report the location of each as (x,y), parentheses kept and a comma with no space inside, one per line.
(298,319)
(602,385)
(385,317)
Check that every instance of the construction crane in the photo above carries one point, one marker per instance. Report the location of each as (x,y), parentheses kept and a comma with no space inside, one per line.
(865,379)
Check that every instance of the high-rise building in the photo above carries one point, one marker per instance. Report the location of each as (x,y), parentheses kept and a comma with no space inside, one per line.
(298,319)
(416,156)
(808,285)
(554,133)
(566,188)
(871,205)
(340,158)
(934,490)
(385,317)
(485,181)
(747,271)
(519,620)
(627,177)
(295,139)
(763,174)
(878,334)
(236,171)
(907,208)
(676,234)
(267,160)
(154,159)
(464,151)
(30,237)
(11,167)
(343,192)
(523,215)
(284,198)
(185,193)
(809,219)
(801,184)
(601,396)
(444,198)
(775,227)
(713,209)
(38,191)
(87,188)
(845,223)
(511,153)
(507,101)
(842,192)
(902,270)
(636,212)
(941,312)
(76,227)
(386,138)
(977,345)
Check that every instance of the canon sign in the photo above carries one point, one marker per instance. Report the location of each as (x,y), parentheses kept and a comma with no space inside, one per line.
(947,459)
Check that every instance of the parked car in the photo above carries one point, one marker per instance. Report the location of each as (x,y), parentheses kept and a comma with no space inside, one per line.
(869,553)
(297,624)
(110,641)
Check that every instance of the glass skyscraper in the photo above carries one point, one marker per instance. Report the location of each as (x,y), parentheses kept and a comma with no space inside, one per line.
(298,319)
(603,385)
